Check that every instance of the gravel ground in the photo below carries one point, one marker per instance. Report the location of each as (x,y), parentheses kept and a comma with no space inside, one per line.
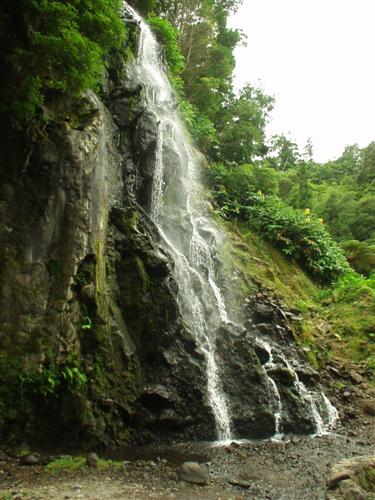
(293,469)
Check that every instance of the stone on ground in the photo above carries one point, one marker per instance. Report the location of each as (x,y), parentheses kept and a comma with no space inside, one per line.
(193,472)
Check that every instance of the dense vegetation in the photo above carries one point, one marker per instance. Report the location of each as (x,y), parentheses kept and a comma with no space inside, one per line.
(51,46)
(341,192)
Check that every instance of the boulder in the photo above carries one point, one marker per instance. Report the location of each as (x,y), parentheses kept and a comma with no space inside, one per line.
(283,375)
(261,352)
(241,483)
(352,479)
(263,313)
(92,460)
(193,472)
(368,406)
(29,459)
(356,377)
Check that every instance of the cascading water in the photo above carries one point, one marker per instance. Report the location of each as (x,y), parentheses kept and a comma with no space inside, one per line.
(192,238)
(312,398)
(178,211)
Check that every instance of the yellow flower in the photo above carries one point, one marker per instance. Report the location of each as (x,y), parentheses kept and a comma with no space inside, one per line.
(320,220)
(307,211)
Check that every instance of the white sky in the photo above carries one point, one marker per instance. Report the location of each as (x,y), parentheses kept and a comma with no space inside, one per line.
(317,57)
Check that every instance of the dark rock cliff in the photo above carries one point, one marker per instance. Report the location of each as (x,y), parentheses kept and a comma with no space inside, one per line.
(92,345)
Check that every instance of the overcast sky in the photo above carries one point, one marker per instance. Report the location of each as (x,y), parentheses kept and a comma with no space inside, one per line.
(317,57)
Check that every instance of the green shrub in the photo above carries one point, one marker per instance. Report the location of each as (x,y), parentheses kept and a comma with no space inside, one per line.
(351,286)
(56,46)
(200,127)
(297,233)
(29,396)
(360,255)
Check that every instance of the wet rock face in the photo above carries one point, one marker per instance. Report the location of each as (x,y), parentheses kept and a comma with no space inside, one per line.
(245,385)
(271,323)
(172,401)
(89,312)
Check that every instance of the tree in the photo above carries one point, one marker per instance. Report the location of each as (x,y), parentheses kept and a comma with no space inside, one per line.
(284,153)
(308,151)
(336,170)
(265,179)
(304,196)
(167,36)
(144,7)
(360,255)
(366,169)
(364,225)
(241,126)
(287,183)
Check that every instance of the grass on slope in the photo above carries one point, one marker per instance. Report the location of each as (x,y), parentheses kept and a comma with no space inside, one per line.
(261,265)
(350,306)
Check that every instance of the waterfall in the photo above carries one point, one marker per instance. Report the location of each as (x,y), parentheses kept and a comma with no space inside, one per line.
(178,210)
(193,240)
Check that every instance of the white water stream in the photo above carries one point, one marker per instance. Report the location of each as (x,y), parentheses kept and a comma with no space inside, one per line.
(178,211)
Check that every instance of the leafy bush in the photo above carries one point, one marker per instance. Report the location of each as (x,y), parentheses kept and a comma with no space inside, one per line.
(144,7)
(168,37)
(54,45)
(300,236)
(30,396)
(297,233)
(200,127)
(360,255)
(351,287)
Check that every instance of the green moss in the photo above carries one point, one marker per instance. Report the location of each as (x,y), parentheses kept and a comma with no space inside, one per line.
(311,359)
(366,479)
(350,307)
(132,217)
(69,463)
(105,376)
(142,275)
(109,464)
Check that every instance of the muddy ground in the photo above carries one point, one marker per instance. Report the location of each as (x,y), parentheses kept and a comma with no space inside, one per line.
(292,469)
